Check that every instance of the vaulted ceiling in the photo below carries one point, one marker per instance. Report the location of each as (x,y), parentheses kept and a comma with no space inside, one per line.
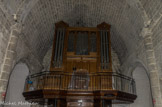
(127,19)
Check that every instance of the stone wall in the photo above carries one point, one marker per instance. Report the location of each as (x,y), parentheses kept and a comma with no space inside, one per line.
(12,51)
(4,38)
(157,44)
(4,35)
(24,54)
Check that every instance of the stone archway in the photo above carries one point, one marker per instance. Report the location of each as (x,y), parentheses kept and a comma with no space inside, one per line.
(144,96)
(16,85)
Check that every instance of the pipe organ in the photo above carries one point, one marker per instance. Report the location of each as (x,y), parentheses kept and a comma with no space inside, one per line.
(80,71)
(81,48)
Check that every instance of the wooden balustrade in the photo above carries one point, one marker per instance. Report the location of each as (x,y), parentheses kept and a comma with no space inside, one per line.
(81,82)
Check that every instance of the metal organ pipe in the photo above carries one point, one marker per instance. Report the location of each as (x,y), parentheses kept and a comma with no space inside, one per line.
(104,49)
(62,45)
(56,45)
(104,42)
(107,50)
(59,48)
(101,51)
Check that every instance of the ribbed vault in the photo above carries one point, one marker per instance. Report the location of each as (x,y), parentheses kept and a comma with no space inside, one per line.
(39,16)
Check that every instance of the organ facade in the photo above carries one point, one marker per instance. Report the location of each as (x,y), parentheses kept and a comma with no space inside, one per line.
(80,72)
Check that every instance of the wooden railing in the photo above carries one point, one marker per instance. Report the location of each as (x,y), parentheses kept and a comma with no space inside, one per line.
(80,82)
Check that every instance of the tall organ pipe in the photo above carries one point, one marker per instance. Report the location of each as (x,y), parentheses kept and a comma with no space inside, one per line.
(104,42)
(62,46)
(59,46)
(101,50)
(107,50)
(56,45)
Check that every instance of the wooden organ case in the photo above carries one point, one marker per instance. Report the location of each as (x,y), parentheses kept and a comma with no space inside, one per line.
(81,48)
(81,71)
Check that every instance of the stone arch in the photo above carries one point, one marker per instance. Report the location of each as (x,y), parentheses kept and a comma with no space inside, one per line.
(134,65)
(25,61)
(16,84)
(144,95)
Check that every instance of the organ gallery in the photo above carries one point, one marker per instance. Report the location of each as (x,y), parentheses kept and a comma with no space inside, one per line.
(80,73)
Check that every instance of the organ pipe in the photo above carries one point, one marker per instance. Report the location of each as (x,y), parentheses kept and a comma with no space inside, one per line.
(107,50)
(59,47)
(62,46)
(59,44)
(104,49)
(56,45)
(101,51)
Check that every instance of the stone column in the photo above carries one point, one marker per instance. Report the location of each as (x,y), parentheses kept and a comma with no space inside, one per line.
(152,66)
(8,61)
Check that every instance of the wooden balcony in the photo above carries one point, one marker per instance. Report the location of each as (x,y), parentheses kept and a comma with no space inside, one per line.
(57,85)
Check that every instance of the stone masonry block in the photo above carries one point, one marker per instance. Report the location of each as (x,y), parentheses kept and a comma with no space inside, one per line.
(12,47)
(3,83)
(149,47)
(158,105)
(5,76)
(15,33)
(152,67)
(8,62)
(155,82)
(7,68)
(14,39)
(11,55)
(153,75)
(149,54)
(148,40)
(158,102)
(156,92)
(151,60)
(1,98)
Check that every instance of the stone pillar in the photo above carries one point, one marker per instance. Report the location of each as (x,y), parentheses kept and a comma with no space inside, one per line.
(8,61)
(152,66)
